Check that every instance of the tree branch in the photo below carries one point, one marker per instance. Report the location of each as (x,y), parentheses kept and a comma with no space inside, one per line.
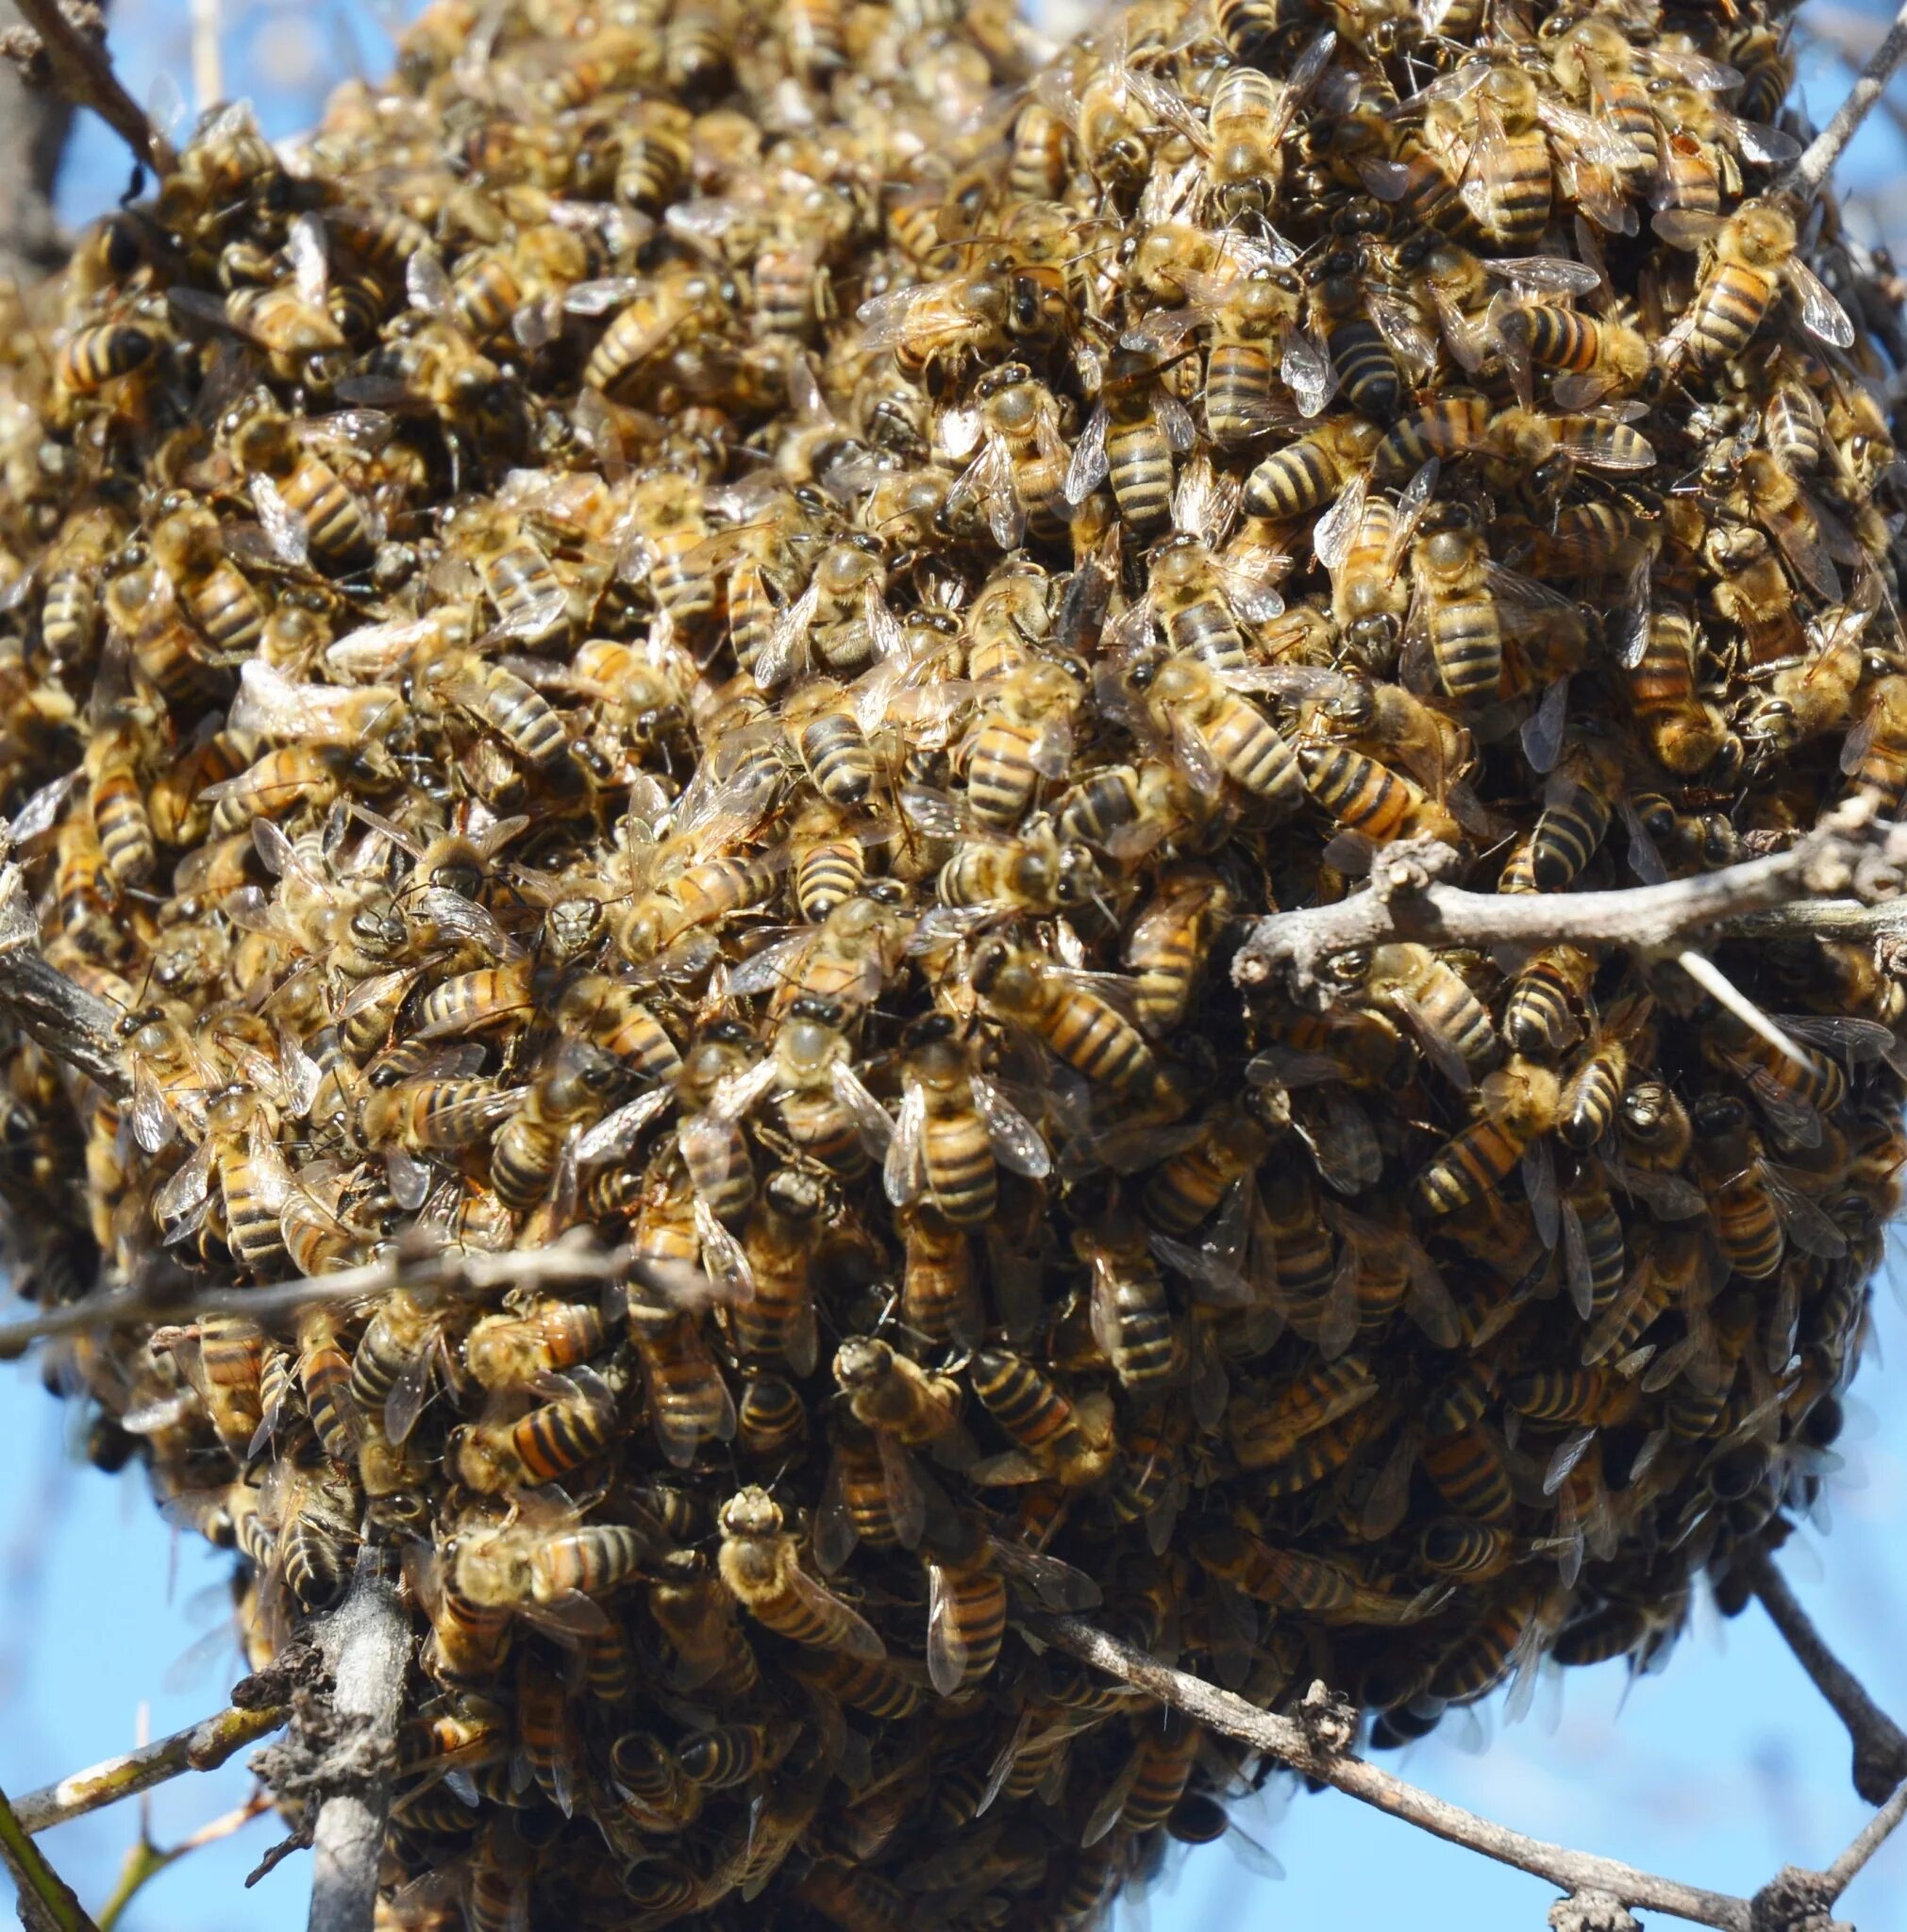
(1872,1835)
(203,1746)
(1816,163)
(1880,1745)
(46,1901)
(368,1640)
(1827,870)
(82,70)
(1316,1754)
(574,1257)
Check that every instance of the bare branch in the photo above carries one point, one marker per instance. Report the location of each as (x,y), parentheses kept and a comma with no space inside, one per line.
(1817,159)
(574,1257)
(1407,899)
(1880,1745)
(203,1746)
(46,1901)
(1868,1841)
(368,1639)
(73,1025)
(83,74)
(1294,1744)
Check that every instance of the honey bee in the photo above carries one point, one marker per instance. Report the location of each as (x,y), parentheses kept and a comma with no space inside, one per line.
(241,1151)
(1081,1025)
(1248,118)
(1060,1439)
(1451,1023)
(305,508)
(1750,254)
(1307,473)
(761,1565)
(1131,437)
(778,1244)
(1017,476)
(562,1434)
(1520,1102)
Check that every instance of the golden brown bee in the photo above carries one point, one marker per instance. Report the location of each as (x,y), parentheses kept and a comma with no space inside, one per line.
(1070,1442)
(1080,1026)
(91,357)
(545,1444)
(1520,1102)
(1752,252)
(762,1570)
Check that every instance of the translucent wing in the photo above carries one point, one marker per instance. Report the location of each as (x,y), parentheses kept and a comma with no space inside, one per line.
(285,528)
(187,1194)
(1017,1144)
(1088,468)
(857,1637)
(615,1135)
(730,1278)
(787,646)
(1808,1226)
(1306,371)
(1181,432)
(1542,731)
(875,1122)
(1822,312)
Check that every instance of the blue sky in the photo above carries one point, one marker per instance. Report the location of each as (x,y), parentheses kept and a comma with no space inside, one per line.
(1717,1771)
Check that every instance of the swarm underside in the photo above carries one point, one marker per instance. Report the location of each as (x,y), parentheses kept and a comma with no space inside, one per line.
(713,625)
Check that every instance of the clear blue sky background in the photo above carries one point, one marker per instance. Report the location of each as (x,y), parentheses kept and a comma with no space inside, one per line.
(1717,1771)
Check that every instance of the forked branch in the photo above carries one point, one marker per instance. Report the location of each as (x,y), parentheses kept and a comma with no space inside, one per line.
(1305,1750)
(1810,173)
(1825,877)
(1317,1744)
(203,1746)
(1880,1745)
(82,72)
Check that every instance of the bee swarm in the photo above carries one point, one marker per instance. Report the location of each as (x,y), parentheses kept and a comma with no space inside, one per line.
(710,623)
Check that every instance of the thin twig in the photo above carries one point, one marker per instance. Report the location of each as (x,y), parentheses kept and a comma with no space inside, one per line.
(46,1902)
(1408,899)
(368,1640)
(574,1257)
(208,87)
(147,1860)
(1817,159)
(1872,1835)
(83,71)
(1880,1745)
(1292,1743)
(203,1746)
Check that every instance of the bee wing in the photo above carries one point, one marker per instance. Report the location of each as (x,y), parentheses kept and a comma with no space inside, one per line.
(408,1394)
(1059,1584)
(1576,1261)
(409,1178)
(1204,503)
(1465,340)
(1771,147)
(1548,275)
(1429,1301)
(1543,730)
(1857,1042)
(1107,1812)
(737,1092)
(787,647)
(1306,371)
(900,1482)
(1017,1144)
(1413,345)
(426,284)
(1669,1196)
(834,1534)
(876,1124)
(773,966)
(707,1145)
(1539,1185)
(615,1135)
(1686,227)
(1334,533)
(1088,468)
(305,248)
(730,1278)
(179,1206)
(1215,1264)
(859,1637)
(285,529)
(1437,1050)
(1631,625)
(1491,158)
(1202,770)
(1181,432)
(990,478)
(41,811)
(1337,1322)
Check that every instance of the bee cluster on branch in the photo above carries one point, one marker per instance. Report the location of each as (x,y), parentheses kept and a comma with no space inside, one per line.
(710,623)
